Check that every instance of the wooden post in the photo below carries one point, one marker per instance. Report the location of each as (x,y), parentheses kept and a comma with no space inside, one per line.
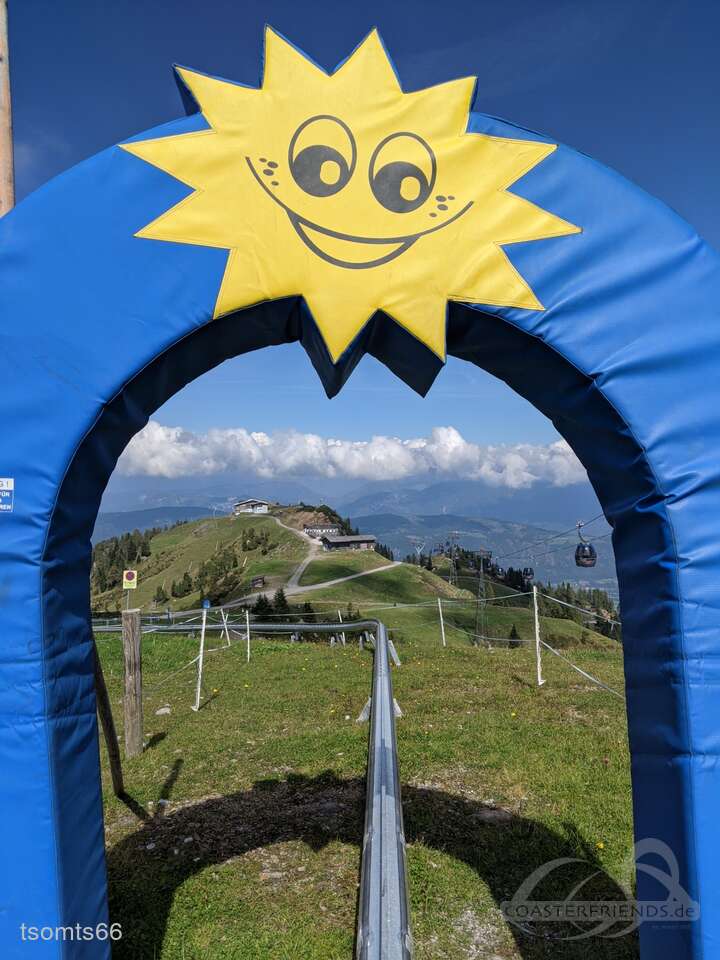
(108,726)
(132,636)
(342,635)
(7,174)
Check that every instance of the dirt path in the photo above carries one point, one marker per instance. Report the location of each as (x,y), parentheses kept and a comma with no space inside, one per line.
(314,551)
(293,588)
(332,583)
(294,591)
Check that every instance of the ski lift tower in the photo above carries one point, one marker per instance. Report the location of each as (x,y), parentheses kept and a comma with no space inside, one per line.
(452,543)
(418,544)
(482,557)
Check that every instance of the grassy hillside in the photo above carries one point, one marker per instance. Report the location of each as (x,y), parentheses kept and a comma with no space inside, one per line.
(423,623)
(345,563)
(112,524)
(276,554)
(242,841)
(403,583)
(183,548)
(385,593)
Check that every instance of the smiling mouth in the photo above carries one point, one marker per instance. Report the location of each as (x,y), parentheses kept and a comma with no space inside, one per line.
(345,249)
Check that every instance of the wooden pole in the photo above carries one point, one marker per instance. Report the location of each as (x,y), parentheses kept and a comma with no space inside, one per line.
(108,727)
(7,170)
(132,636)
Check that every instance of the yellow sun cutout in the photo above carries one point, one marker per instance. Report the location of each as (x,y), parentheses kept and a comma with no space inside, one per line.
(346,190)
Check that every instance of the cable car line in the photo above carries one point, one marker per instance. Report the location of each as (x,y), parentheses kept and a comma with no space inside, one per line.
(536,543)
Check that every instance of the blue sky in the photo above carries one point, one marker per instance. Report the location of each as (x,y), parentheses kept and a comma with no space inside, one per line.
(634,83)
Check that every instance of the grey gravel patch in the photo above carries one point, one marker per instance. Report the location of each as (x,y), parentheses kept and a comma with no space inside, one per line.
(483,938)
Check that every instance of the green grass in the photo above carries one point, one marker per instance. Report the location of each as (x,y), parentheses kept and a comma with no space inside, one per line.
(345,563)
(402,584)
(256,853)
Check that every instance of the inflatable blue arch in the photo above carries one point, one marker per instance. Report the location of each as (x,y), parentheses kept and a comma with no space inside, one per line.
(587,296)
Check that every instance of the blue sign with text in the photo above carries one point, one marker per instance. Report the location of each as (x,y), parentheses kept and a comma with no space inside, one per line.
(7,494)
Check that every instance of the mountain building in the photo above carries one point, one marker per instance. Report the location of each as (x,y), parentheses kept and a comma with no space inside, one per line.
(360,541)
(251,506)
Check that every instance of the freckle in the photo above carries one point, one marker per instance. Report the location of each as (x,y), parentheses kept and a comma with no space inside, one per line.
(450,197)
(271,163)
(440,197)
(263,160)
(433,214)
(274,183)
(268,172)
(442,206)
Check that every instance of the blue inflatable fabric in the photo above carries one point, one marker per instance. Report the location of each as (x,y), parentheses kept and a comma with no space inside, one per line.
(98,329)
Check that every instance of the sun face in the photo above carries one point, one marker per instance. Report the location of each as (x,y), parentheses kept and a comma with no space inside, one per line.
(347,191)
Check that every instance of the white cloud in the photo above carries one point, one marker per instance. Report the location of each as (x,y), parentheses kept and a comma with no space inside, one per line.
(173,452)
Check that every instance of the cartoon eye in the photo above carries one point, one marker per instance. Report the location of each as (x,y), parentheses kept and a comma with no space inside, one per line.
(402,172)
(322,155)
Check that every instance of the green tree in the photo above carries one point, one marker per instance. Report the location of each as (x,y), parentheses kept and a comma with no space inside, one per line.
(280,605)
(262,607)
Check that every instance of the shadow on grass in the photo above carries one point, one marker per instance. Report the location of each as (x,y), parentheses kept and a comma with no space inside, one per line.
(154,740)
(502,848)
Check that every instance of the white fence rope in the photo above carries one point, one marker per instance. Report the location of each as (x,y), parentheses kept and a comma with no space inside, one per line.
(557,653)
(591,613)
(588,676)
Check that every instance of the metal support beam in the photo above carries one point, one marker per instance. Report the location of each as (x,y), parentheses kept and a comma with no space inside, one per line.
(383,931)
(108,726)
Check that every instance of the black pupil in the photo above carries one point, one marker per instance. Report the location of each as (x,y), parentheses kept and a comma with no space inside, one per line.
(320,170)
(387,185)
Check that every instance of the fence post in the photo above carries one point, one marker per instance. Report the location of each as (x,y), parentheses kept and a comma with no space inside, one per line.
(247,628)
(201,659)
(225,617)
(538,660)
(342,635)
(108,726)
(132,701)
(442,623)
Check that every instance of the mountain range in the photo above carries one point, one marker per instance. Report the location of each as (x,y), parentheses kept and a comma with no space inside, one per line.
(555,508)
(544,505)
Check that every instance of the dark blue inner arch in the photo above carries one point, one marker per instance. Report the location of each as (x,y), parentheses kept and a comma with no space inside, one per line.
(616,464)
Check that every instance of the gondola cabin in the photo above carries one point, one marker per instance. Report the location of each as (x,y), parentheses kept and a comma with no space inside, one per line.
(585,555)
